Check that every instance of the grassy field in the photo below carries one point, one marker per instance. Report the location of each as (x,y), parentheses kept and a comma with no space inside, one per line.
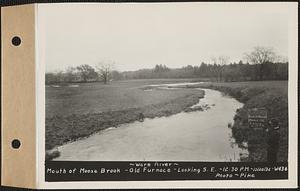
(97,97)
(75,112)
(272,95)
(281,86)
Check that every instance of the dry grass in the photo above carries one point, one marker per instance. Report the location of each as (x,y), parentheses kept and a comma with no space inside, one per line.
(97,97)
(75,112)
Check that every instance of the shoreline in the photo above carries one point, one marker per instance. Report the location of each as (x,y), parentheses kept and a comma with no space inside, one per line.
(65,129)
(271,98)
(276,104)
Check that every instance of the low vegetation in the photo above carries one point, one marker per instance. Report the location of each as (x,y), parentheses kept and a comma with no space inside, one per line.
(270,95)
(73,113)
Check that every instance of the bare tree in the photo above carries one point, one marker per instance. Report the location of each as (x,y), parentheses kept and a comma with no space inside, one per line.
(260,56)
(220,61)
(223,60)
(105,71)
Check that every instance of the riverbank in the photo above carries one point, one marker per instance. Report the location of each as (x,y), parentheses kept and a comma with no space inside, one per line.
(186,136)
(92,108)
(274,97)
(68,128)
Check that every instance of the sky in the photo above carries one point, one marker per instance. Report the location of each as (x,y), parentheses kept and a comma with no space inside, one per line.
(135,36)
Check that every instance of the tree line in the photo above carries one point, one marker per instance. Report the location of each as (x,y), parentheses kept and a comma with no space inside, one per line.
(83,73)
(262,64)
(228,73)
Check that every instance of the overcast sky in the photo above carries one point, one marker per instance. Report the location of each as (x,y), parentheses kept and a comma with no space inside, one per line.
(137,36)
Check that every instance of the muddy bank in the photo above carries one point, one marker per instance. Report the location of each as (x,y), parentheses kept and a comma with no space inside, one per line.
(63,129)
(276,103)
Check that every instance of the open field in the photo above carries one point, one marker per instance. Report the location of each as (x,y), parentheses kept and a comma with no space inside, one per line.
(275,85)
(119,95)
(75,112)
(97,97)
(81,110)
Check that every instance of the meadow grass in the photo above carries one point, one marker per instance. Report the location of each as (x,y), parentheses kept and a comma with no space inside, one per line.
(80,111)
(98,97)
(76,112)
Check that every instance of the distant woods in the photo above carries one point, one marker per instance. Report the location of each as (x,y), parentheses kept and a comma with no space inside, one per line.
(262,64)
(227,73)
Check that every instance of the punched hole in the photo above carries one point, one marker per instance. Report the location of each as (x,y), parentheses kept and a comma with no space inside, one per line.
(16,41)
(15,144)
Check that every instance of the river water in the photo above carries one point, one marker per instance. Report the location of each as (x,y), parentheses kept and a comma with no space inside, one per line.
(194,136)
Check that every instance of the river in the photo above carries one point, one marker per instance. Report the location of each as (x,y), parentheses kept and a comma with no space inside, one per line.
(195,136)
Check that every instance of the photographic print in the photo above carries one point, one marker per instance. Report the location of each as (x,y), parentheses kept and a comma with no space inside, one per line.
(136,95)
(168,88)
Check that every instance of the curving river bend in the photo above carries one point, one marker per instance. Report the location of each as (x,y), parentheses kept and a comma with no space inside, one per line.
(194,136)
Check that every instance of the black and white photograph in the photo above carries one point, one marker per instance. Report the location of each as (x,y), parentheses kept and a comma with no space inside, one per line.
(149,95)
(168,82)
(196,86)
